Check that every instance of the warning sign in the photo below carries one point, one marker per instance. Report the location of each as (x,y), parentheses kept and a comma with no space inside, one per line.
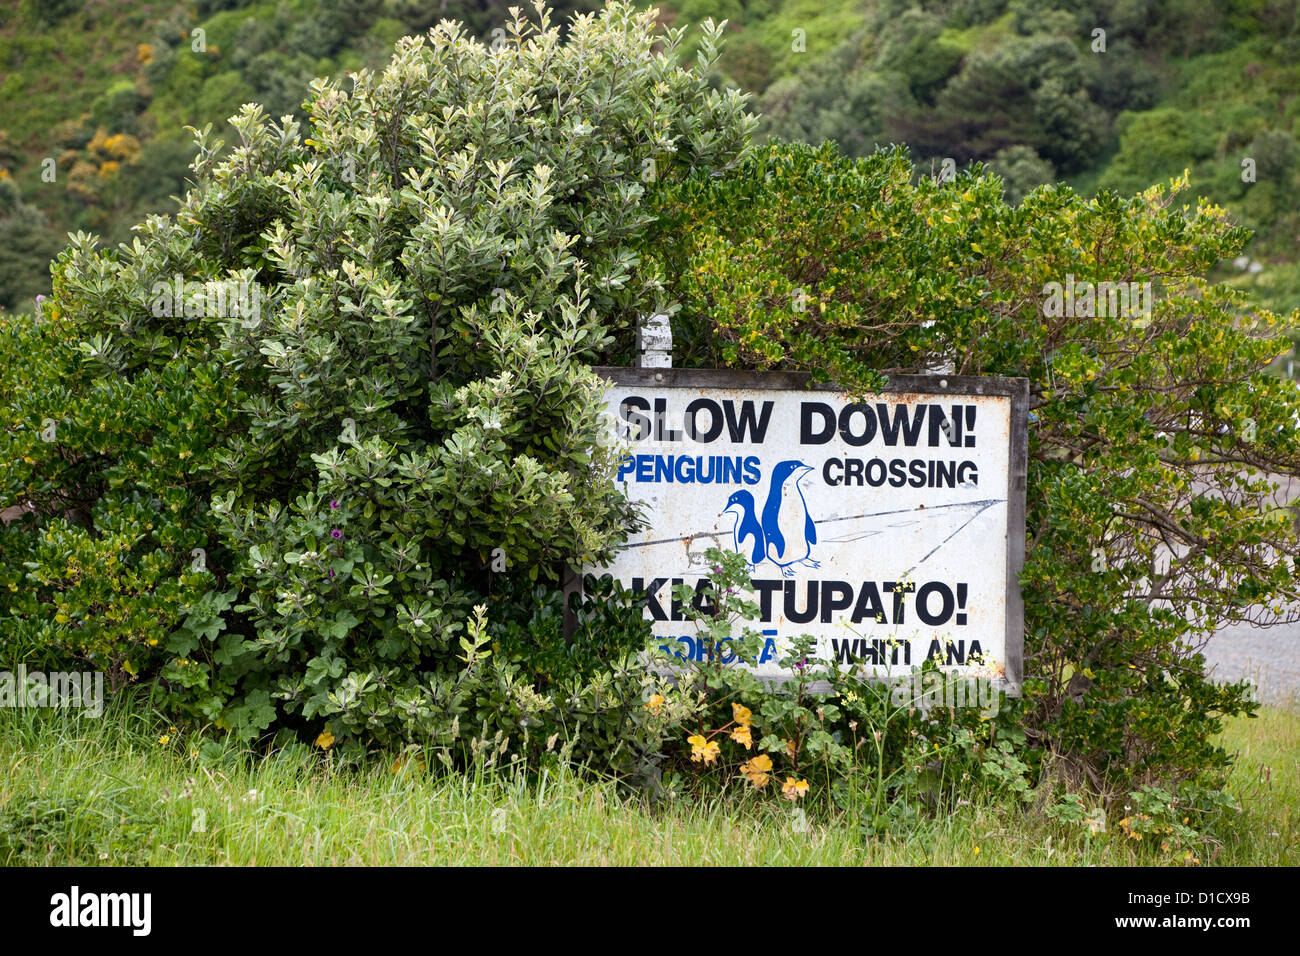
(891,528)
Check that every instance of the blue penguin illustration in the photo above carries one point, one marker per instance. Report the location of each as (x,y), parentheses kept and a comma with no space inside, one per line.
(747,526)
(787,527)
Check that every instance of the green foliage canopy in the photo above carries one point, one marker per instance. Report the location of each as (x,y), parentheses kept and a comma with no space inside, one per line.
(1154,436)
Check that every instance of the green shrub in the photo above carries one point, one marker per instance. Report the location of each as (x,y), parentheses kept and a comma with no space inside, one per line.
(884,753)
(1022,171)
(111,419)
(912,46)
(1029,91)
(286,506)
(1154,145)
(1152,437)
(118,107)
(26,245)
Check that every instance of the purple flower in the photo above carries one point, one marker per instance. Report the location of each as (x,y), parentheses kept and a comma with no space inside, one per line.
(336,534)
(331,574)
(334,505)
(802,664)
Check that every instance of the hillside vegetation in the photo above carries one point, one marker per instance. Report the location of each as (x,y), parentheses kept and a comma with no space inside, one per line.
(98,94)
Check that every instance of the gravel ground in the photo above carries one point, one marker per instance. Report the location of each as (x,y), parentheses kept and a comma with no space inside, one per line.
(1268,656)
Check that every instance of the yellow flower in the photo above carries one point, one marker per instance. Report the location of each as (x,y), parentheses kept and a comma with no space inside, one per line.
(655,703)
(703,750)
(789,748)
(740,714)
(977,851)
(756,770)
(164,740)
(326,740)
(793,789)
(741,735)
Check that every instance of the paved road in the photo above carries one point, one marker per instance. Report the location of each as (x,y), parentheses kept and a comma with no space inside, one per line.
(1268,656)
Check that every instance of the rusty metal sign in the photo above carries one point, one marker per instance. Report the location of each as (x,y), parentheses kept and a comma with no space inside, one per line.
(891,529)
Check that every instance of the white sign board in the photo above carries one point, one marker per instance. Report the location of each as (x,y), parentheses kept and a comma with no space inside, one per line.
(891,529)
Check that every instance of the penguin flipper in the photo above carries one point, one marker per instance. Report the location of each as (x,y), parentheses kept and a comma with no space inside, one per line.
(775,544)
(771,529)
(809,530)
(750,528)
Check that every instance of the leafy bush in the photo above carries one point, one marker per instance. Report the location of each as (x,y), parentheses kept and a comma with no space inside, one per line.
(286,503)
(26,245)
(107,445)
(1153,435)
(881,753)
(1029,91)
(834,98)
(1154,144)
(1022,171)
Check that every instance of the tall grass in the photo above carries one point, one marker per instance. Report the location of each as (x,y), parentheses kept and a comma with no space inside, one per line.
(76,790)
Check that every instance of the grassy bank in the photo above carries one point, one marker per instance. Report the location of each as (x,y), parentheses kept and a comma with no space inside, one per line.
(122,790)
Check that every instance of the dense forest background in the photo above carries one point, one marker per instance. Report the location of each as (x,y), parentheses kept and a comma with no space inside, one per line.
(96,97)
